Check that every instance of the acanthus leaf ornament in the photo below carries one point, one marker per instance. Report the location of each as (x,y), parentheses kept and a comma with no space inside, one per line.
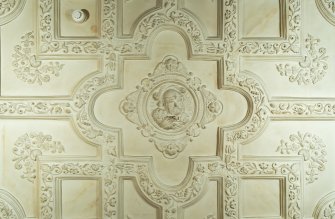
(312,69)
(170,107)
(302,109)
(28,68)
(311,148)
(28,148)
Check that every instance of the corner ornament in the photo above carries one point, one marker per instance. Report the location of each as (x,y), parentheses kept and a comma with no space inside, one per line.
(170,107)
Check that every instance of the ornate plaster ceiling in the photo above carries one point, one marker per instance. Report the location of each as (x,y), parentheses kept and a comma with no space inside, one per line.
(167,109)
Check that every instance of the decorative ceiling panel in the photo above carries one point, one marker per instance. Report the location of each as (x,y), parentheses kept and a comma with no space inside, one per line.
(167,109)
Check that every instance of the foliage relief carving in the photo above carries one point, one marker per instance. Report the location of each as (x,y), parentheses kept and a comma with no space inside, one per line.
(312,69)
(102,47)
(35,107)
(313,150)
(302,109)
(28,148)
(83,120)
(28,68)
(98,135)
(168,15)
(291,45)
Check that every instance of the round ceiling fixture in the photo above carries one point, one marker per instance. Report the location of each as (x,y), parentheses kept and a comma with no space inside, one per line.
(80,15)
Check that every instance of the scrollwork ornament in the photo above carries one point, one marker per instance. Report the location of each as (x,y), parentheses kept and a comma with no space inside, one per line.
(35,107)
(313,67)
(169,15)
(258,117)
(28,148)
(28,68)
(86,127)
(313,150)
(302,109)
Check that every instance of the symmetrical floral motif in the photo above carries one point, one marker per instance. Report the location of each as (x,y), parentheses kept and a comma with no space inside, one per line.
(302,109)
(26,66)
(171,107)
(35,108)
(311,147)
(28,148)
(312,69)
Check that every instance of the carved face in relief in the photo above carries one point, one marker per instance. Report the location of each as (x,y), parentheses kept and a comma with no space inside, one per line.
(173,102)
(215,107)
(170,113)
(171,64)
(170,107)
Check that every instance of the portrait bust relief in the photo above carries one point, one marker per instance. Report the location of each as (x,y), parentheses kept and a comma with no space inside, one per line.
(171,106)
(171,113)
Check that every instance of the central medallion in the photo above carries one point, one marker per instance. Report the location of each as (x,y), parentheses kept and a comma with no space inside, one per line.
(170,107)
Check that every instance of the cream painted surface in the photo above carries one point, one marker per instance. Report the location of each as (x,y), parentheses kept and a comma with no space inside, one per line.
(167,109)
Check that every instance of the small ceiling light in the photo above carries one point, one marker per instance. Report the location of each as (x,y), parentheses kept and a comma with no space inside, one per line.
(80,15)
